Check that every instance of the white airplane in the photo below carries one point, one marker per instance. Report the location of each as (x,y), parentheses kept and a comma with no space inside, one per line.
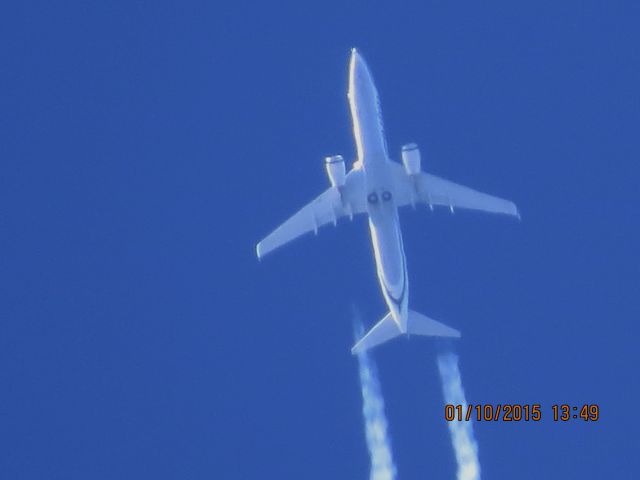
(377,186)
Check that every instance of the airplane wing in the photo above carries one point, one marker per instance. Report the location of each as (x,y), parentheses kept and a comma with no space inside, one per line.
(432,190)
(328,207)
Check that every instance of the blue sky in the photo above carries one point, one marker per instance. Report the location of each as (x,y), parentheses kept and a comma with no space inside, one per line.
(147,146)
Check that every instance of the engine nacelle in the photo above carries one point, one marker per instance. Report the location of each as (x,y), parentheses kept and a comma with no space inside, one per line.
(411,158)
(335,170)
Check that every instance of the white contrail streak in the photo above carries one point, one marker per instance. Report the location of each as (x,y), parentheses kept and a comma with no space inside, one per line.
(464,445)
(378,440)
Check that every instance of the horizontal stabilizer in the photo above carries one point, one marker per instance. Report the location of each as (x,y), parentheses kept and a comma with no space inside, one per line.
(417,324)
(384,330)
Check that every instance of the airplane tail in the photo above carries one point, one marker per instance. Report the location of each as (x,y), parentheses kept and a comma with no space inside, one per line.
(387,328)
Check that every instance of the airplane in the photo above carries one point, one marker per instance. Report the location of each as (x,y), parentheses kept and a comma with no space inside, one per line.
(377,186)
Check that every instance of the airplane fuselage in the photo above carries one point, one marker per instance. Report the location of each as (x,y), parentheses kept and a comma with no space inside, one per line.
(384,225)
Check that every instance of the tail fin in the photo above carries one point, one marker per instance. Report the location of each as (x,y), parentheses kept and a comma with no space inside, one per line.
(387,328)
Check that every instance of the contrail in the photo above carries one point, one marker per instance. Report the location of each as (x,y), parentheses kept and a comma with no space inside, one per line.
(464,445)
(378,440)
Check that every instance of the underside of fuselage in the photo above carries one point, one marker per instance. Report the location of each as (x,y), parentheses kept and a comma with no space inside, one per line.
(384,226)
(386,239)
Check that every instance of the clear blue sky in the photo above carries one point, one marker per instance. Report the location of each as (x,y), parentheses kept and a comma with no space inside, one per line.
(146,146)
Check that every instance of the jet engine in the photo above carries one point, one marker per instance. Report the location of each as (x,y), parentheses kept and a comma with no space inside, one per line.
(335,170)
(411,158)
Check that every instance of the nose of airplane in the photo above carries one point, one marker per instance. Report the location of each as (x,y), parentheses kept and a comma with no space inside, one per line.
(356,60)
(358,70)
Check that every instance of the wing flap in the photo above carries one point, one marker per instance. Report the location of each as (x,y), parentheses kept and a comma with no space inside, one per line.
(433,190)
(438,191)
(309,218)
(328,207)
